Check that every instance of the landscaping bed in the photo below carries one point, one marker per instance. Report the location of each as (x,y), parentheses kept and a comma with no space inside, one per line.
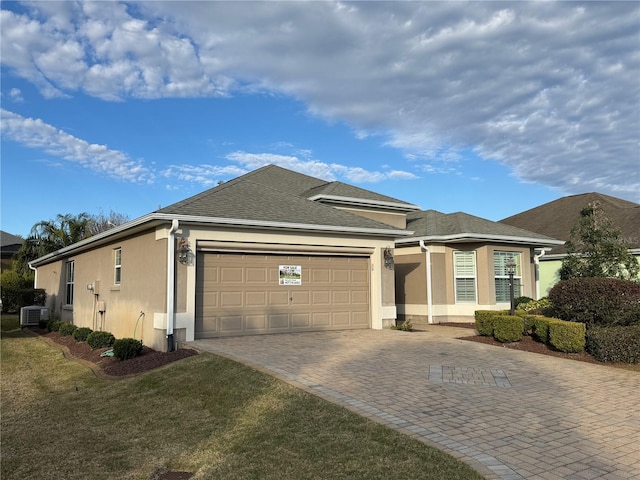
(148,360)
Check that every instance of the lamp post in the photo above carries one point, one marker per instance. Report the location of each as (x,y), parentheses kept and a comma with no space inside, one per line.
(510,267)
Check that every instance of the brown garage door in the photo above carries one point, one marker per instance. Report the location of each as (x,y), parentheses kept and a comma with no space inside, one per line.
(244,294)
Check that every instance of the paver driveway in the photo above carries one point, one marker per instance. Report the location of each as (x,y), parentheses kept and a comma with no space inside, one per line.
(509,414)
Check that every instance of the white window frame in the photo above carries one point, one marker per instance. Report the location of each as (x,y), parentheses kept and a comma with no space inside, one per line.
(500,273)
(463,273)
(70,269)
(117,266)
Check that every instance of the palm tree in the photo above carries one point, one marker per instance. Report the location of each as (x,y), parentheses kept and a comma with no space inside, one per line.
(48,236)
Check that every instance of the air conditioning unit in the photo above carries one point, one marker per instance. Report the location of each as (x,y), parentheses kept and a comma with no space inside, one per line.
(32,315)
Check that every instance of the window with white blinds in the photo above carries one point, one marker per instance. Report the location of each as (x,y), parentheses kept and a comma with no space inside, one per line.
(464,264)
(500,260)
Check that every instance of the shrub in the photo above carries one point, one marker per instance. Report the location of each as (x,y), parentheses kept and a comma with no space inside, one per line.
(614,344)
(507,328)
(519,301)
(536,307)
(82,333)
(67,329)
(53,325)
(405,326)
(597,301)
(484,322)
(567,336)
(100,339)
(539,326)
(125,348)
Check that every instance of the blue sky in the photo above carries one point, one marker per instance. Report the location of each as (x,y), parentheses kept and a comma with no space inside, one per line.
(486,108)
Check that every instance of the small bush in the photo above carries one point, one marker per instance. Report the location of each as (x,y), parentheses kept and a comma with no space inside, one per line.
(100,339)
(125,348)
(567,336)
(519,301)
(597,301)
(539,326)
(67,329)
(405,326)
(507,328)
(536,307)
(484,322)
(82,333)
(614,344)
(53,325)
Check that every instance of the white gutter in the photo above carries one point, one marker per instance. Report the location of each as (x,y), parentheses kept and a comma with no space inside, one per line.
(429,299)
(536,261)
(171,283)
(476,237)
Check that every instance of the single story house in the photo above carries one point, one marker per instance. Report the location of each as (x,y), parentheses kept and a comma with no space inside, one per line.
(454,264)
(557,218)
(278,251)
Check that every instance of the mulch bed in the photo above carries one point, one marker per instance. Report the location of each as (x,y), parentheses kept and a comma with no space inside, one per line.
(527,344)
(112,366)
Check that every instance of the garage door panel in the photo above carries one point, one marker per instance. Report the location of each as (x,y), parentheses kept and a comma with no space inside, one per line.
(255,323)
(279,321)
(240,294)
(230,323)
(279,298)
(231,299)
(300,320)
(340,298)
(256,299)
(322,319)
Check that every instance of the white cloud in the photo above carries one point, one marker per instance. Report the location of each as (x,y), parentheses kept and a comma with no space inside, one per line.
(549,88)
(34,133)
(315,168)
(206,175)
(16,95)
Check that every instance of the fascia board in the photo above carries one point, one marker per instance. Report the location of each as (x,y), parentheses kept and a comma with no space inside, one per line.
(474,237)
(152,219)
(366,202)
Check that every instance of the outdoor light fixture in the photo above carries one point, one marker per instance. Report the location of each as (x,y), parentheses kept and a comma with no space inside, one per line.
(184,250)
(510,268)
(388,258)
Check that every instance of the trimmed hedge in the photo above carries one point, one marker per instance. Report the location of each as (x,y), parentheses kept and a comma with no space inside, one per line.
(539,327)
(100,339)
(597,301)
(53,325)
(567,336)
(125,348)
(507,328)
(67,329)
(484,322)
(82,333)
(614,344)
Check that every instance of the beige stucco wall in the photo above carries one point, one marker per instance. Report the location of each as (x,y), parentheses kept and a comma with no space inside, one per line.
(142,288)
(395,219)
(411,290)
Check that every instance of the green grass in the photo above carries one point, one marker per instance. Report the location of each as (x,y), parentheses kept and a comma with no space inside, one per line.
(204,414)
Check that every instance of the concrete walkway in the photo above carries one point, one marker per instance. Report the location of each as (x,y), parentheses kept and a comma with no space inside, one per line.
(508,414)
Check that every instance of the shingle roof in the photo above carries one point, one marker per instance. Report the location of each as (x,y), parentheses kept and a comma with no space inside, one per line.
(462,226)
(339,189)
(557,218)
(269,194)
(7,239)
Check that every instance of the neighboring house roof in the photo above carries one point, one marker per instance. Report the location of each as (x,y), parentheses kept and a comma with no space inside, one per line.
(9,244)
(434,226)
(558,217)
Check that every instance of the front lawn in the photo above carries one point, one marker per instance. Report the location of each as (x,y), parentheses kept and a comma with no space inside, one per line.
(204,414)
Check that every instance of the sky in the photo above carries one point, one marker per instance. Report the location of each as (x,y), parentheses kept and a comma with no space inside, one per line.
(490,108)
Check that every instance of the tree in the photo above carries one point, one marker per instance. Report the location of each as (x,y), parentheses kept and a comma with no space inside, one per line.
(47,236)
(596,249)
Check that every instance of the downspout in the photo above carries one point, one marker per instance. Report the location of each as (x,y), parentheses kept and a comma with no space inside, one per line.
(429,299)
(536,261)
(171,284)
